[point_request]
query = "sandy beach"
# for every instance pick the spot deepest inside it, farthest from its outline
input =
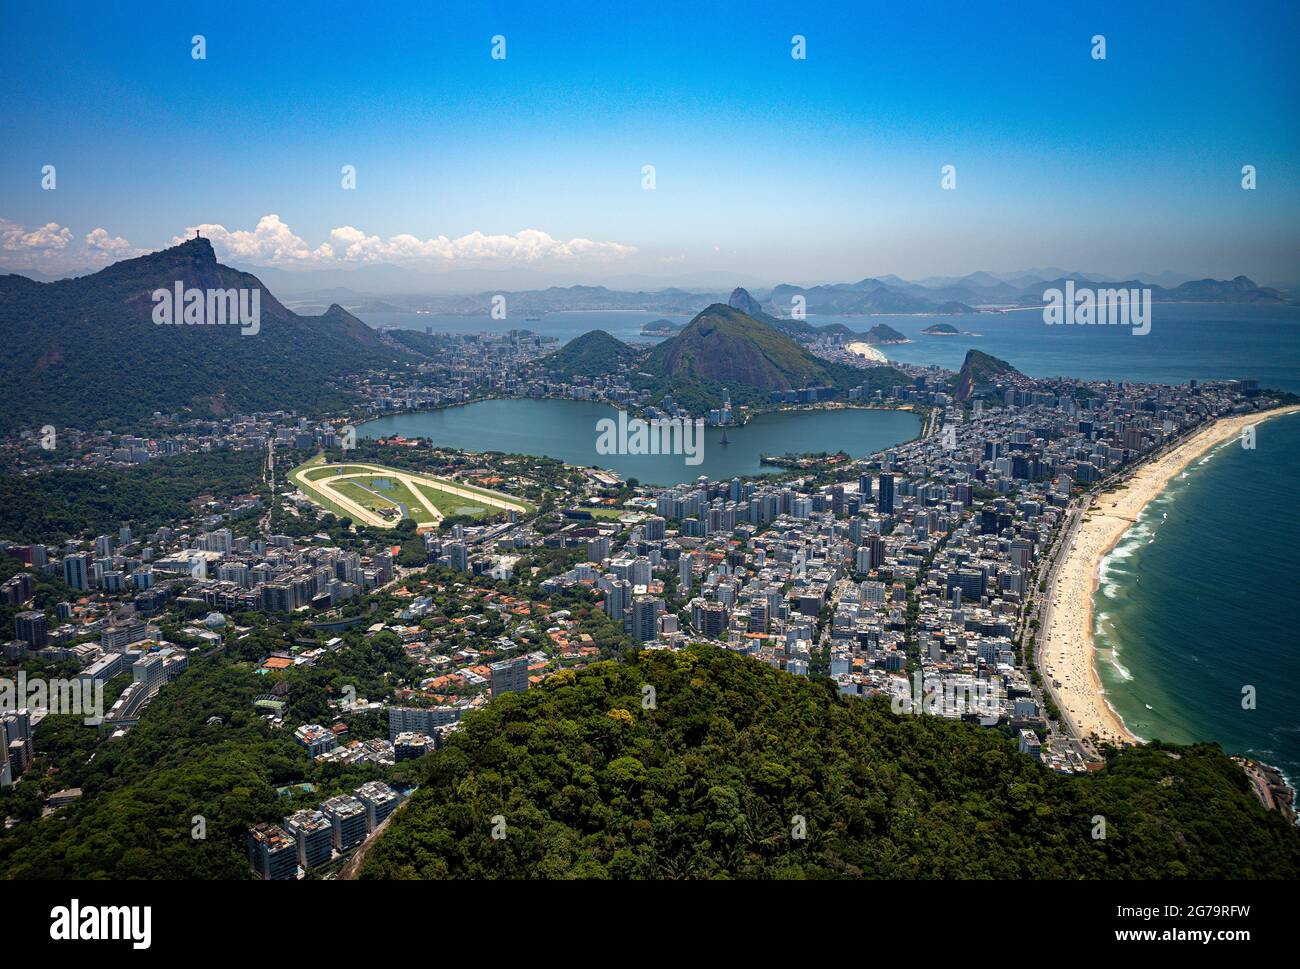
(1068, 655)
(866, 350)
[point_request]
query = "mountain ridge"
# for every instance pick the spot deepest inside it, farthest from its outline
(723, 348)
(86, 351)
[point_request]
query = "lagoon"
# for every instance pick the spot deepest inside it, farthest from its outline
(567, 430)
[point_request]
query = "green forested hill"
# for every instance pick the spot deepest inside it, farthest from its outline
(593, 354)
(85, 352)
(884, 333)
(707, 784)
(56, 505)
(727, 346)
(724, 348)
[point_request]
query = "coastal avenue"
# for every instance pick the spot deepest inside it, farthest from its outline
(1042, 609)
(1097, 523)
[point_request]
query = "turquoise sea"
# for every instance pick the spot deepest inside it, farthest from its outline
(1199, 600)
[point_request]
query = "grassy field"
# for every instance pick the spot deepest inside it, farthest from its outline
(299, 477)
(328, 471)
(367, 499)
(450, 504)
(399, 492)
(361, 488)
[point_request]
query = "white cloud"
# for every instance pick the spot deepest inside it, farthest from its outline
(53, 248)
(47, 239)
(103, 247)
(273, 243)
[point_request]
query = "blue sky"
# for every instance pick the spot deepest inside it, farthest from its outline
(825, 168)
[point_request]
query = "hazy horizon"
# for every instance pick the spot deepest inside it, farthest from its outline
(387, 279)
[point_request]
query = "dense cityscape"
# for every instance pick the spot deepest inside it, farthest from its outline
(917, 574)
(724, 448)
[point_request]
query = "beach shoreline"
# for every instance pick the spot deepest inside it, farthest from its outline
(866, 351)
(1069, 654)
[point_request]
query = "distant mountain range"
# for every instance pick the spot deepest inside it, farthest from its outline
(85, 352)
(391, 289)
(885, 295)
(867, 296)
(965, 295)
(350, 286)
(1239, 289)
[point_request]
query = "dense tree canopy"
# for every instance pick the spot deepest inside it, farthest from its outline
(712, 781)
(55, 505)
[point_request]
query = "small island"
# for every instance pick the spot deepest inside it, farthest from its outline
(882, 334)
(661, 328)
(940, 329)
(805, 462)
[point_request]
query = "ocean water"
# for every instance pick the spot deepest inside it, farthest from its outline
(1199, 601)
(1202, 341)
(624, 324)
